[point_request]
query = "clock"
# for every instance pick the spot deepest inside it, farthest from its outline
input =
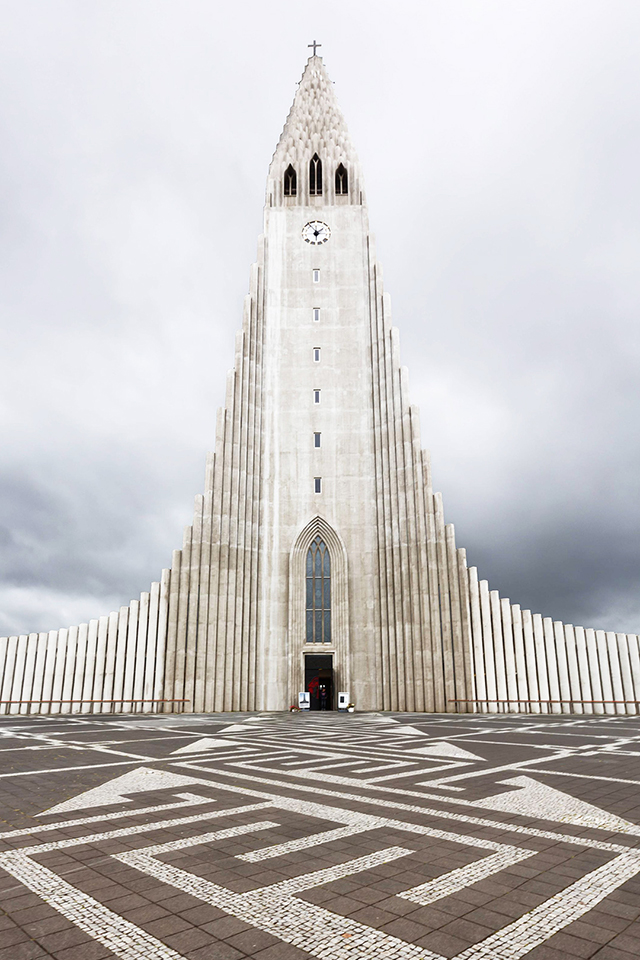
(316, 232)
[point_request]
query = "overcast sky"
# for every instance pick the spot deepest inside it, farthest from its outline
(500, 141)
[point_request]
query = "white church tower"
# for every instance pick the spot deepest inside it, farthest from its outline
(318, 534)
(318, 559)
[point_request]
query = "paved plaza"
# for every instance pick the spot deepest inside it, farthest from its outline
(337, 836)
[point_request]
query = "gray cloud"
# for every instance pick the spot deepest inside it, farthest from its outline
(500, 145)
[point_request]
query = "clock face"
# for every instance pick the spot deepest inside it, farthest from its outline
(316, 232)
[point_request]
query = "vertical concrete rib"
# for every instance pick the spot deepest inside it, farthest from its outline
(633, 646)
(574, 670)
(457, 642)
(479, 669)
(90, 667)
(487, 641)
(143, 651)
(131, 655)
(153, 656)
(541, 661)
(582, 654)
(522, 685)
(408, 544)
(59, 670)
(616, 676)
(445, 605)
(221, 701)
(625, 670)
(562, 666)
(193, 604)
(172, 628)
(465, 622)
(214, 571)
(200, 681)
(594, 670)
(377, 367)
(530, 660)
(498, 647)
(509, 654)
(160, 688)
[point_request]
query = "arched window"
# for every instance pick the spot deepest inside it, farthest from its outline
(318, 605)
(342, 181)
(315, 176)
(290, 182)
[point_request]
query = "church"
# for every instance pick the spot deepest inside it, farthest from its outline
(319, 560)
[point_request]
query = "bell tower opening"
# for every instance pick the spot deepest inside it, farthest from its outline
(318, 680)
(315, 176)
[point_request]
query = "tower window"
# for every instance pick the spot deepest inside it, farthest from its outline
(342, 181)
(316, 279)
(291, 182)
(318, 599)
(317, 484)
(315, 176)
(316, 354)
(316, 439)
(316, 314)
(316, 396)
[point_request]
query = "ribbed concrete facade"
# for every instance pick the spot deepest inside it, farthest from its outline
(317, 449)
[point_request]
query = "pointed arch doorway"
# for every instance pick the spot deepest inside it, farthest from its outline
(318, 680)
(318, 615)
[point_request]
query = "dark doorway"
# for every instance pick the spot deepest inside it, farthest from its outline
(318, 680)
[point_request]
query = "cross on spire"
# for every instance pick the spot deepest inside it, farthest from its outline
(314, 45)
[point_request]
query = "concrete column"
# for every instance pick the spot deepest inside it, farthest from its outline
(541, 661)
(509, 654)
(625, 670)
(487, 640)
(634, 659)
(530, 659)
(605, 671)
(574, 670)
(478, 645)
(583, 669)
(616, 676)
(594, 670)
(59, 671)
(520, 659)
(562, 665)
(81, 662)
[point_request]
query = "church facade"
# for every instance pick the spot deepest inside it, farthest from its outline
(319, 559)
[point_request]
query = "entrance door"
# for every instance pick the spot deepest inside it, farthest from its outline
(318, 680)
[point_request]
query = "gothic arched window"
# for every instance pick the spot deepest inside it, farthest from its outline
(290, 182)
(315, 176)
(342, 181)
(318, 604)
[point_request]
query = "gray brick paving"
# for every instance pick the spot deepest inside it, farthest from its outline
(342, 837)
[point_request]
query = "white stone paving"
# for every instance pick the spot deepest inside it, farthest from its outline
(272, 786)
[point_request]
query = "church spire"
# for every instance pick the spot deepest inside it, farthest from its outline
(315, 127)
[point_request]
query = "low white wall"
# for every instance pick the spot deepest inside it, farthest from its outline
(519, 656)
(118, 657)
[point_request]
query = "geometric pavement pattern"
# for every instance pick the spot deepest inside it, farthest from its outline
(337, 836)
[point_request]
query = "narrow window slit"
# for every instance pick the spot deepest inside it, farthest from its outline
(290, 182)
(315, 176)
(342, 181)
